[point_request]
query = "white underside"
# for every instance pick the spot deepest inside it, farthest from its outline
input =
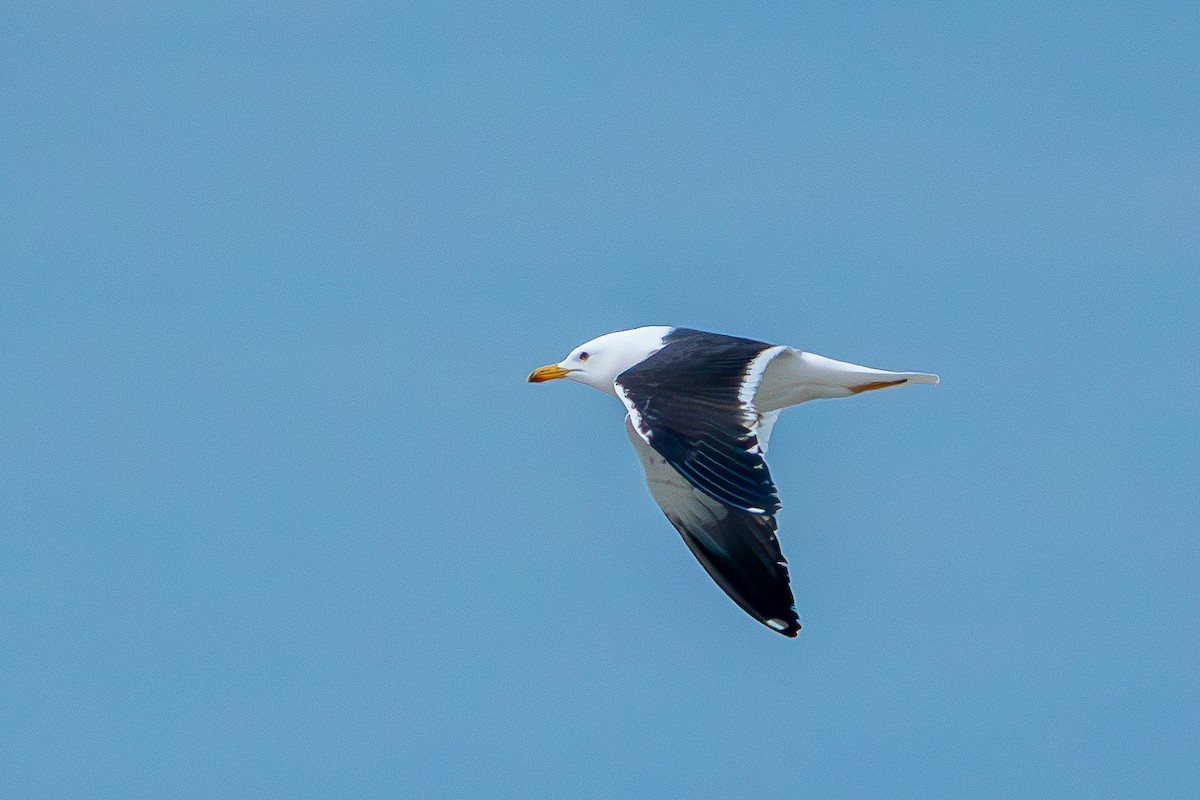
(794, 377)
(672, 491)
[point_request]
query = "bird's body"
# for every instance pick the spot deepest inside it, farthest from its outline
(700, 408)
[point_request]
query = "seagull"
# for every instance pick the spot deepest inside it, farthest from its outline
(700, 409)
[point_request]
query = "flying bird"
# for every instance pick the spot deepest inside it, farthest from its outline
(700, 409)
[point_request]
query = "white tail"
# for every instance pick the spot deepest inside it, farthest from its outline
(795, 377)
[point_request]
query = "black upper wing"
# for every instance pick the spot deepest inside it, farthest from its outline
(692, 401)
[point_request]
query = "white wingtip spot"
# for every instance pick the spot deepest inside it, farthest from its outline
(777, 624)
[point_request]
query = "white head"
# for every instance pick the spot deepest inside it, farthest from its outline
(598, 363)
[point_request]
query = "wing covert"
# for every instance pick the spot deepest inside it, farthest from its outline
(693, 402)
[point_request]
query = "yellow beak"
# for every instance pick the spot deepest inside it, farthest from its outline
(547, 373)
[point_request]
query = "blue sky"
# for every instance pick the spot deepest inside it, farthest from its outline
(281, 517)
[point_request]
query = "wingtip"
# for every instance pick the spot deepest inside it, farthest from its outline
(786, 627)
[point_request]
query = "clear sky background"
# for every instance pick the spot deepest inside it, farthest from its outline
(280, 516)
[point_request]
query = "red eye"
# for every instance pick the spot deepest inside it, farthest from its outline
(583, 356)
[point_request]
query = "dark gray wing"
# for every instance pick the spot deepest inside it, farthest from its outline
(737, 548)
(693, 402)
